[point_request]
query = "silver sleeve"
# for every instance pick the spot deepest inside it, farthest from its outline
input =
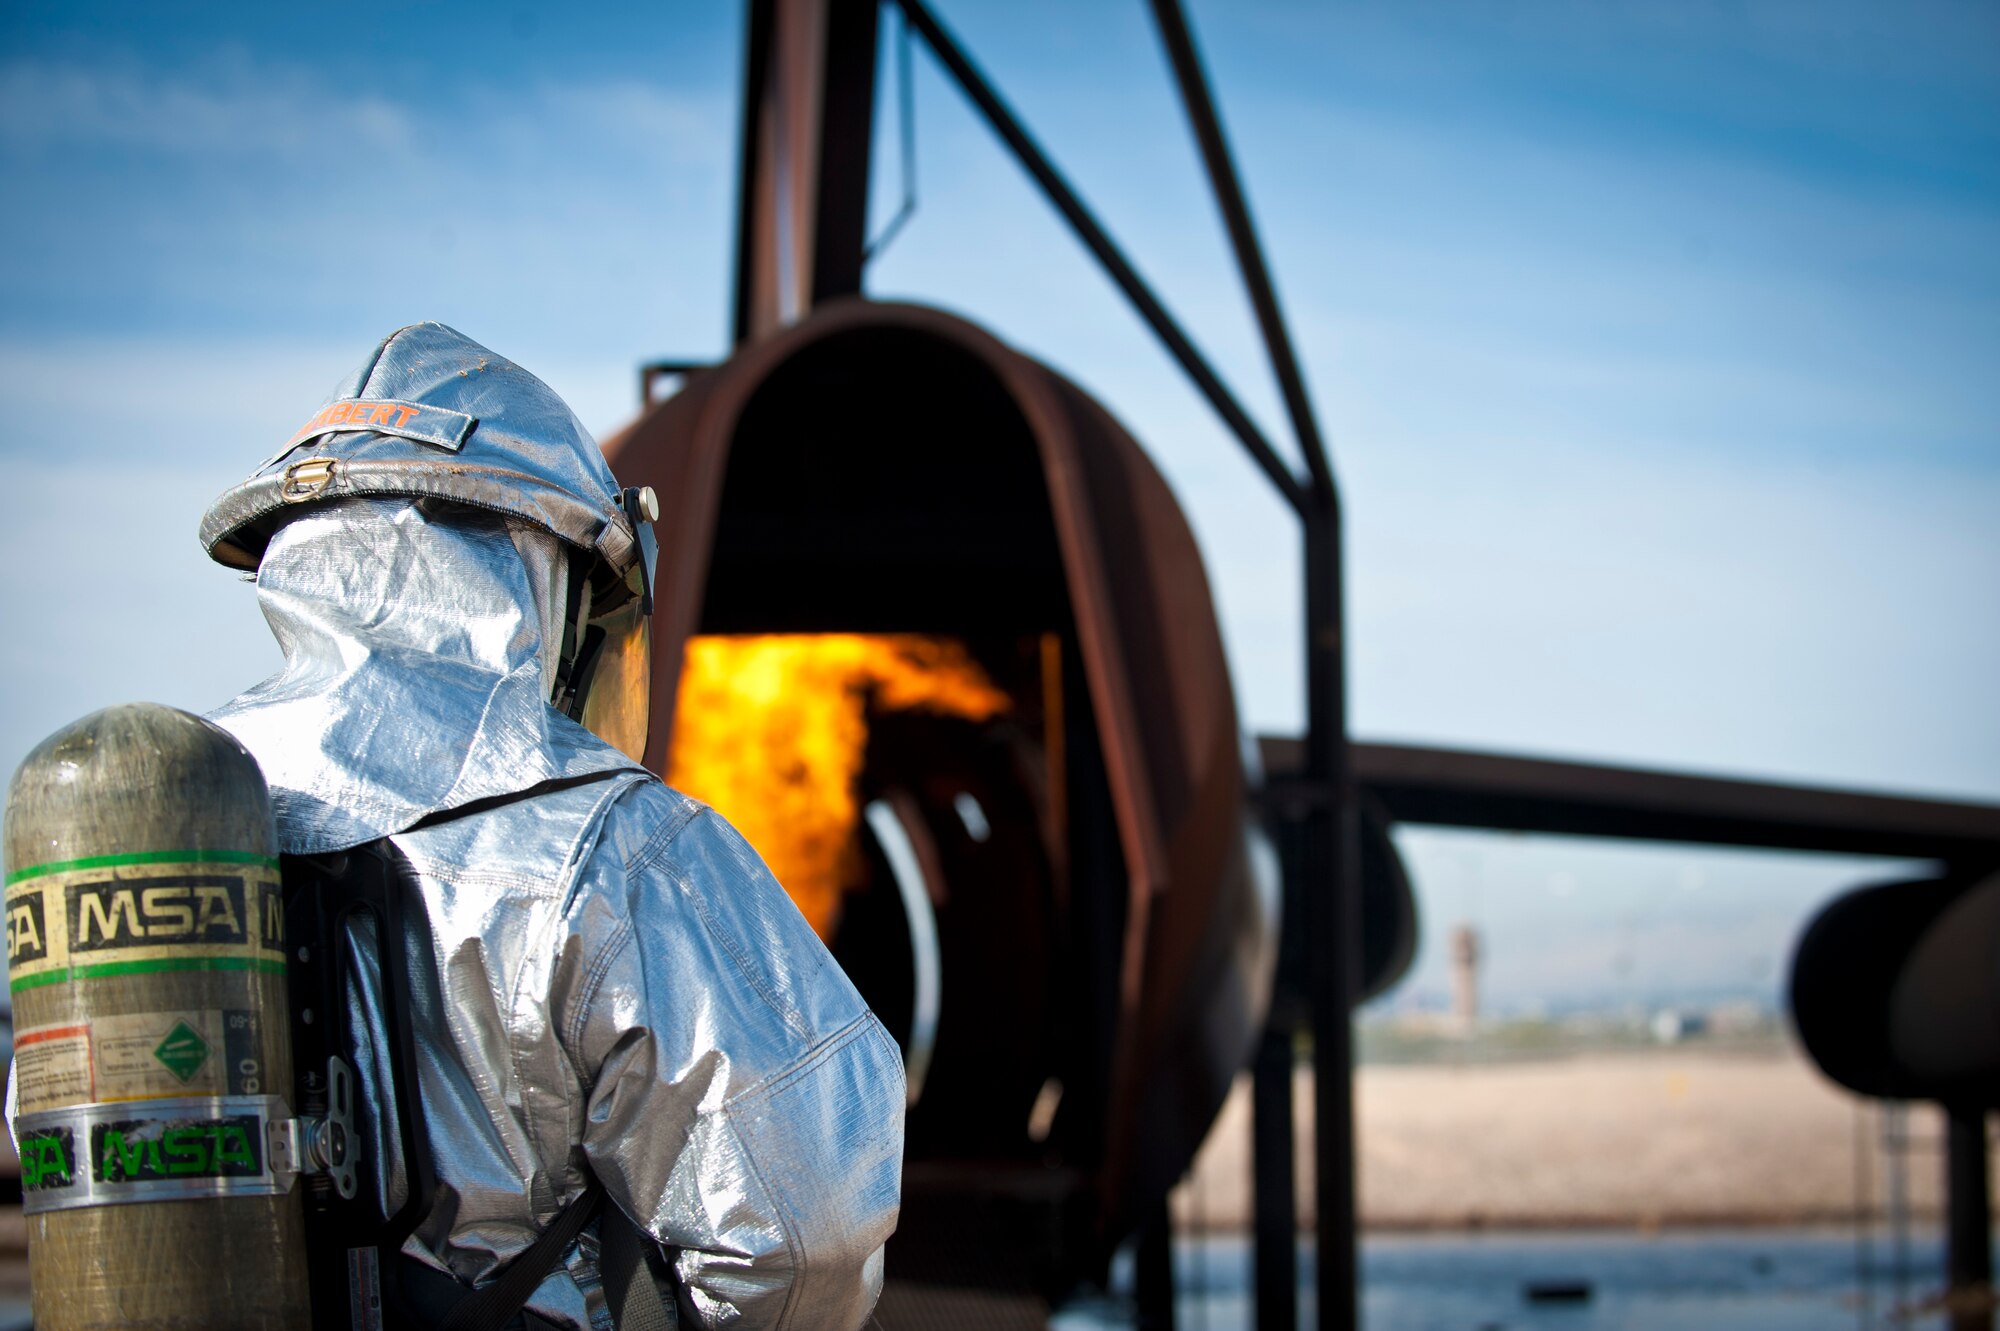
(744, 1106)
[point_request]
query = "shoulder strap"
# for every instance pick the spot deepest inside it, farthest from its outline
(625, 1257)
(491, 1308)
(548, 787)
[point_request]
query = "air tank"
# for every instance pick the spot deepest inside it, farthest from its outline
(145, 944)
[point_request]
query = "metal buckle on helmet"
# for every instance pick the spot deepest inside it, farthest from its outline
(306, 479)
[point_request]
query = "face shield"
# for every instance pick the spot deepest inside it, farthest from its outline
(611, 678)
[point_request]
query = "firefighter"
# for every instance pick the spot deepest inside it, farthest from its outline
(617, 992)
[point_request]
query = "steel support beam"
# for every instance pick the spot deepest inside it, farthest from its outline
(1153, 1270)
(846, 139)
(754, 226)
(1968, 1219)
(1331, 881)
(1272, 1192)
(808, 112)
(1032, 159)
(1332, 929)
(1206, 122)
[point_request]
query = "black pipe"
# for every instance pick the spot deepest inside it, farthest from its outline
(846, 136)
(1968, 1218)
(1271, 1191)
(756, 79)
(1332, 871)
(1153, 1273)
(1222, 178)
(1333, 926)
(1037, 164)
(1331, 868)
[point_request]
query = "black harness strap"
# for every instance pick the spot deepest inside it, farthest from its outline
(491, 1308)
(625, 1261)
(321, 893)
(481, 805)
(625, 1256)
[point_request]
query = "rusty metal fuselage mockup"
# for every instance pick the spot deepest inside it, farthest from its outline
(1106, 943)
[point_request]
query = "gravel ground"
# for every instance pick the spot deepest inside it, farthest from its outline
(1648, 1138)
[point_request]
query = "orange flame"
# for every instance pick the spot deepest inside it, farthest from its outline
(771, 731)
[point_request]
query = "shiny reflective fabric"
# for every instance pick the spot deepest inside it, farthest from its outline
(614, 978)
(504, 441)
(414, 669)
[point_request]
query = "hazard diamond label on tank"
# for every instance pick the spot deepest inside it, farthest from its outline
(183, 1051)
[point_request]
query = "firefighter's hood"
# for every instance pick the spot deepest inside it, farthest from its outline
(416, 669)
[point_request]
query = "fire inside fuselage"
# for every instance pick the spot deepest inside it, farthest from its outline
(903, 788)
(936, 637)
(772, 731)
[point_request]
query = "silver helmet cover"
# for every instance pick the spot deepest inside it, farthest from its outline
(417, 640)
(433, 413)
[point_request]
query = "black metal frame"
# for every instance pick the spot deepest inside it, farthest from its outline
(1968, 1213)
(756, 69)
(1330, 859)
(1094, 237)
(1319, 797)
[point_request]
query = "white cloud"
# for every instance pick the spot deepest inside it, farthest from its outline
(1588, 405)
(232, 105)
(200, 409)
(211, 409)
(251, 196)
(227, 109)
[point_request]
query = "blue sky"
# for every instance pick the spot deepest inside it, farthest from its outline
(1655, 344)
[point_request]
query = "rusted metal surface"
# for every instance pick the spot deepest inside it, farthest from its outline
(809, 100)
(1110, 560)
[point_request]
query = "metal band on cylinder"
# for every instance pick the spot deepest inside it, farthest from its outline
(155, 1151)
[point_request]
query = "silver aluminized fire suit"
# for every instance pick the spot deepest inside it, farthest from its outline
(618, 980)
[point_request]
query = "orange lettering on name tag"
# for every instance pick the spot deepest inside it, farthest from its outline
(397, 415)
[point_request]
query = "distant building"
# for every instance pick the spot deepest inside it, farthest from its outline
(1672, 1025)
(1465, 977)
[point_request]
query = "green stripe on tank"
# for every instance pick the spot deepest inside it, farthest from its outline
(268, 965)
(145, 857)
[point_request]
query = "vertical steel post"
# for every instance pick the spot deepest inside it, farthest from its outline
(808, 112)
(1331, 880)
(846, 141)
(1968, 1215)
(751, 153)
(1272, 1162)
(1153, 1274)
(1332, 917)
(1330, 871)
